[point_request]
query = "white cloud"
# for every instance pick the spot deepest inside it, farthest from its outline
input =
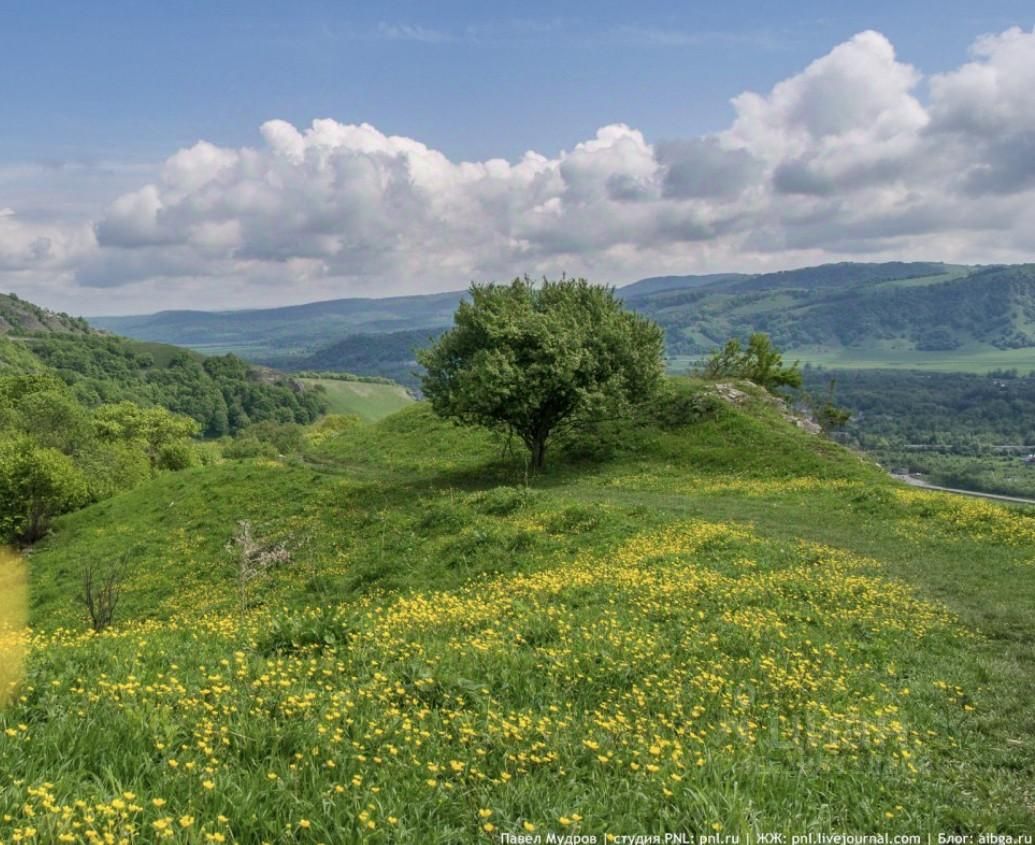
(855, 156)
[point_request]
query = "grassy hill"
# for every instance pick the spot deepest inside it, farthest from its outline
(849, 315)
(368, 400)
(665, 637)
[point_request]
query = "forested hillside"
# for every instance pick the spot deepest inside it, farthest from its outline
(963, 430)
(222, 394)
(85, 415)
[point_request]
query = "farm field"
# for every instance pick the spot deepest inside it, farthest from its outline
(728, 626)
(978, 360)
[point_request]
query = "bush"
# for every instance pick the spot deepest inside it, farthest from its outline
(249, 447)
(176, 456)
(36, 485)
(286, 438)
(759, 362)
(679, 404)
(110, 468)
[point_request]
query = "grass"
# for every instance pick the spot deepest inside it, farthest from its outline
(963, 360)
(732, 627)
(369, 400)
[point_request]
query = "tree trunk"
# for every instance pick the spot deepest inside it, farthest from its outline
(539, 451)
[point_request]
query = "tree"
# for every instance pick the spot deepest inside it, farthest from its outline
(533, 360)
(154, 429)
(760, 362)
(36, 484)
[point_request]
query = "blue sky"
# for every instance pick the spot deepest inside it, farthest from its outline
(136, 80)
(163, 154)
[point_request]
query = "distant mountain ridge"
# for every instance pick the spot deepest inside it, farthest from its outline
(890, 309)
(275, 330)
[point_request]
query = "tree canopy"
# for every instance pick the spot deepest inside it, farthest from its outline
(532, 359)
(57, 455)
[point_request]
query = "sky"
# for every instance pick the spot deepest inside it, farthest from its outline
(159, 155)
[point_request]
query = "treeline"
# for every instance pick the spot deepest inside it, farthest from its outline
(892, 408)
(335, 375)
(945, 427)
(223, 394)
(57, 455)
(391, 355)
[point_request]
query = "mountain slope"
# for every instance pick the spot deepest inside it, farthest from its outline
(20, 317)
(656, 284)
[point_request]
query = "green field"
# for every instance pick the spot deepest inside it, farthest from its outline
(370, 400)
(970, 360)
(964, 360)
(728, 626)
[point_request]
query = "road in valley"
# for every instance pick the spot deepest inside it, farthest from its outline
(919, 482)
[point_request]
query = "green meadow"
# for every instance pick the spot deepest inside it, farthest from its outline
(718, 625)
(368, 400)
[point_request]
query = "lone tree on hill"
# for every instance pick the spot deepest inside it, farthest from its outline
(534, 360)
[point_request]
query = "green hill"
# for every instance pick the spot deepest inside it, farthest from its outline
(368, 400)
(726, 625)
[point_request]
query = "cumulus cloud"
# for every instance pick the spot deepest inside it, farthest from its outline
(857, 155)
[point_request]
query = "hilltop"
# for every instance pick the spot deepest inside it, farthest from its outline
(658, 633)
(20, 317)
(920, 314)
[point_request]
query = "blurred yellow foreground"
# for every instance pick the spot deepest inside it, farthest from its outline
(14, 600)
